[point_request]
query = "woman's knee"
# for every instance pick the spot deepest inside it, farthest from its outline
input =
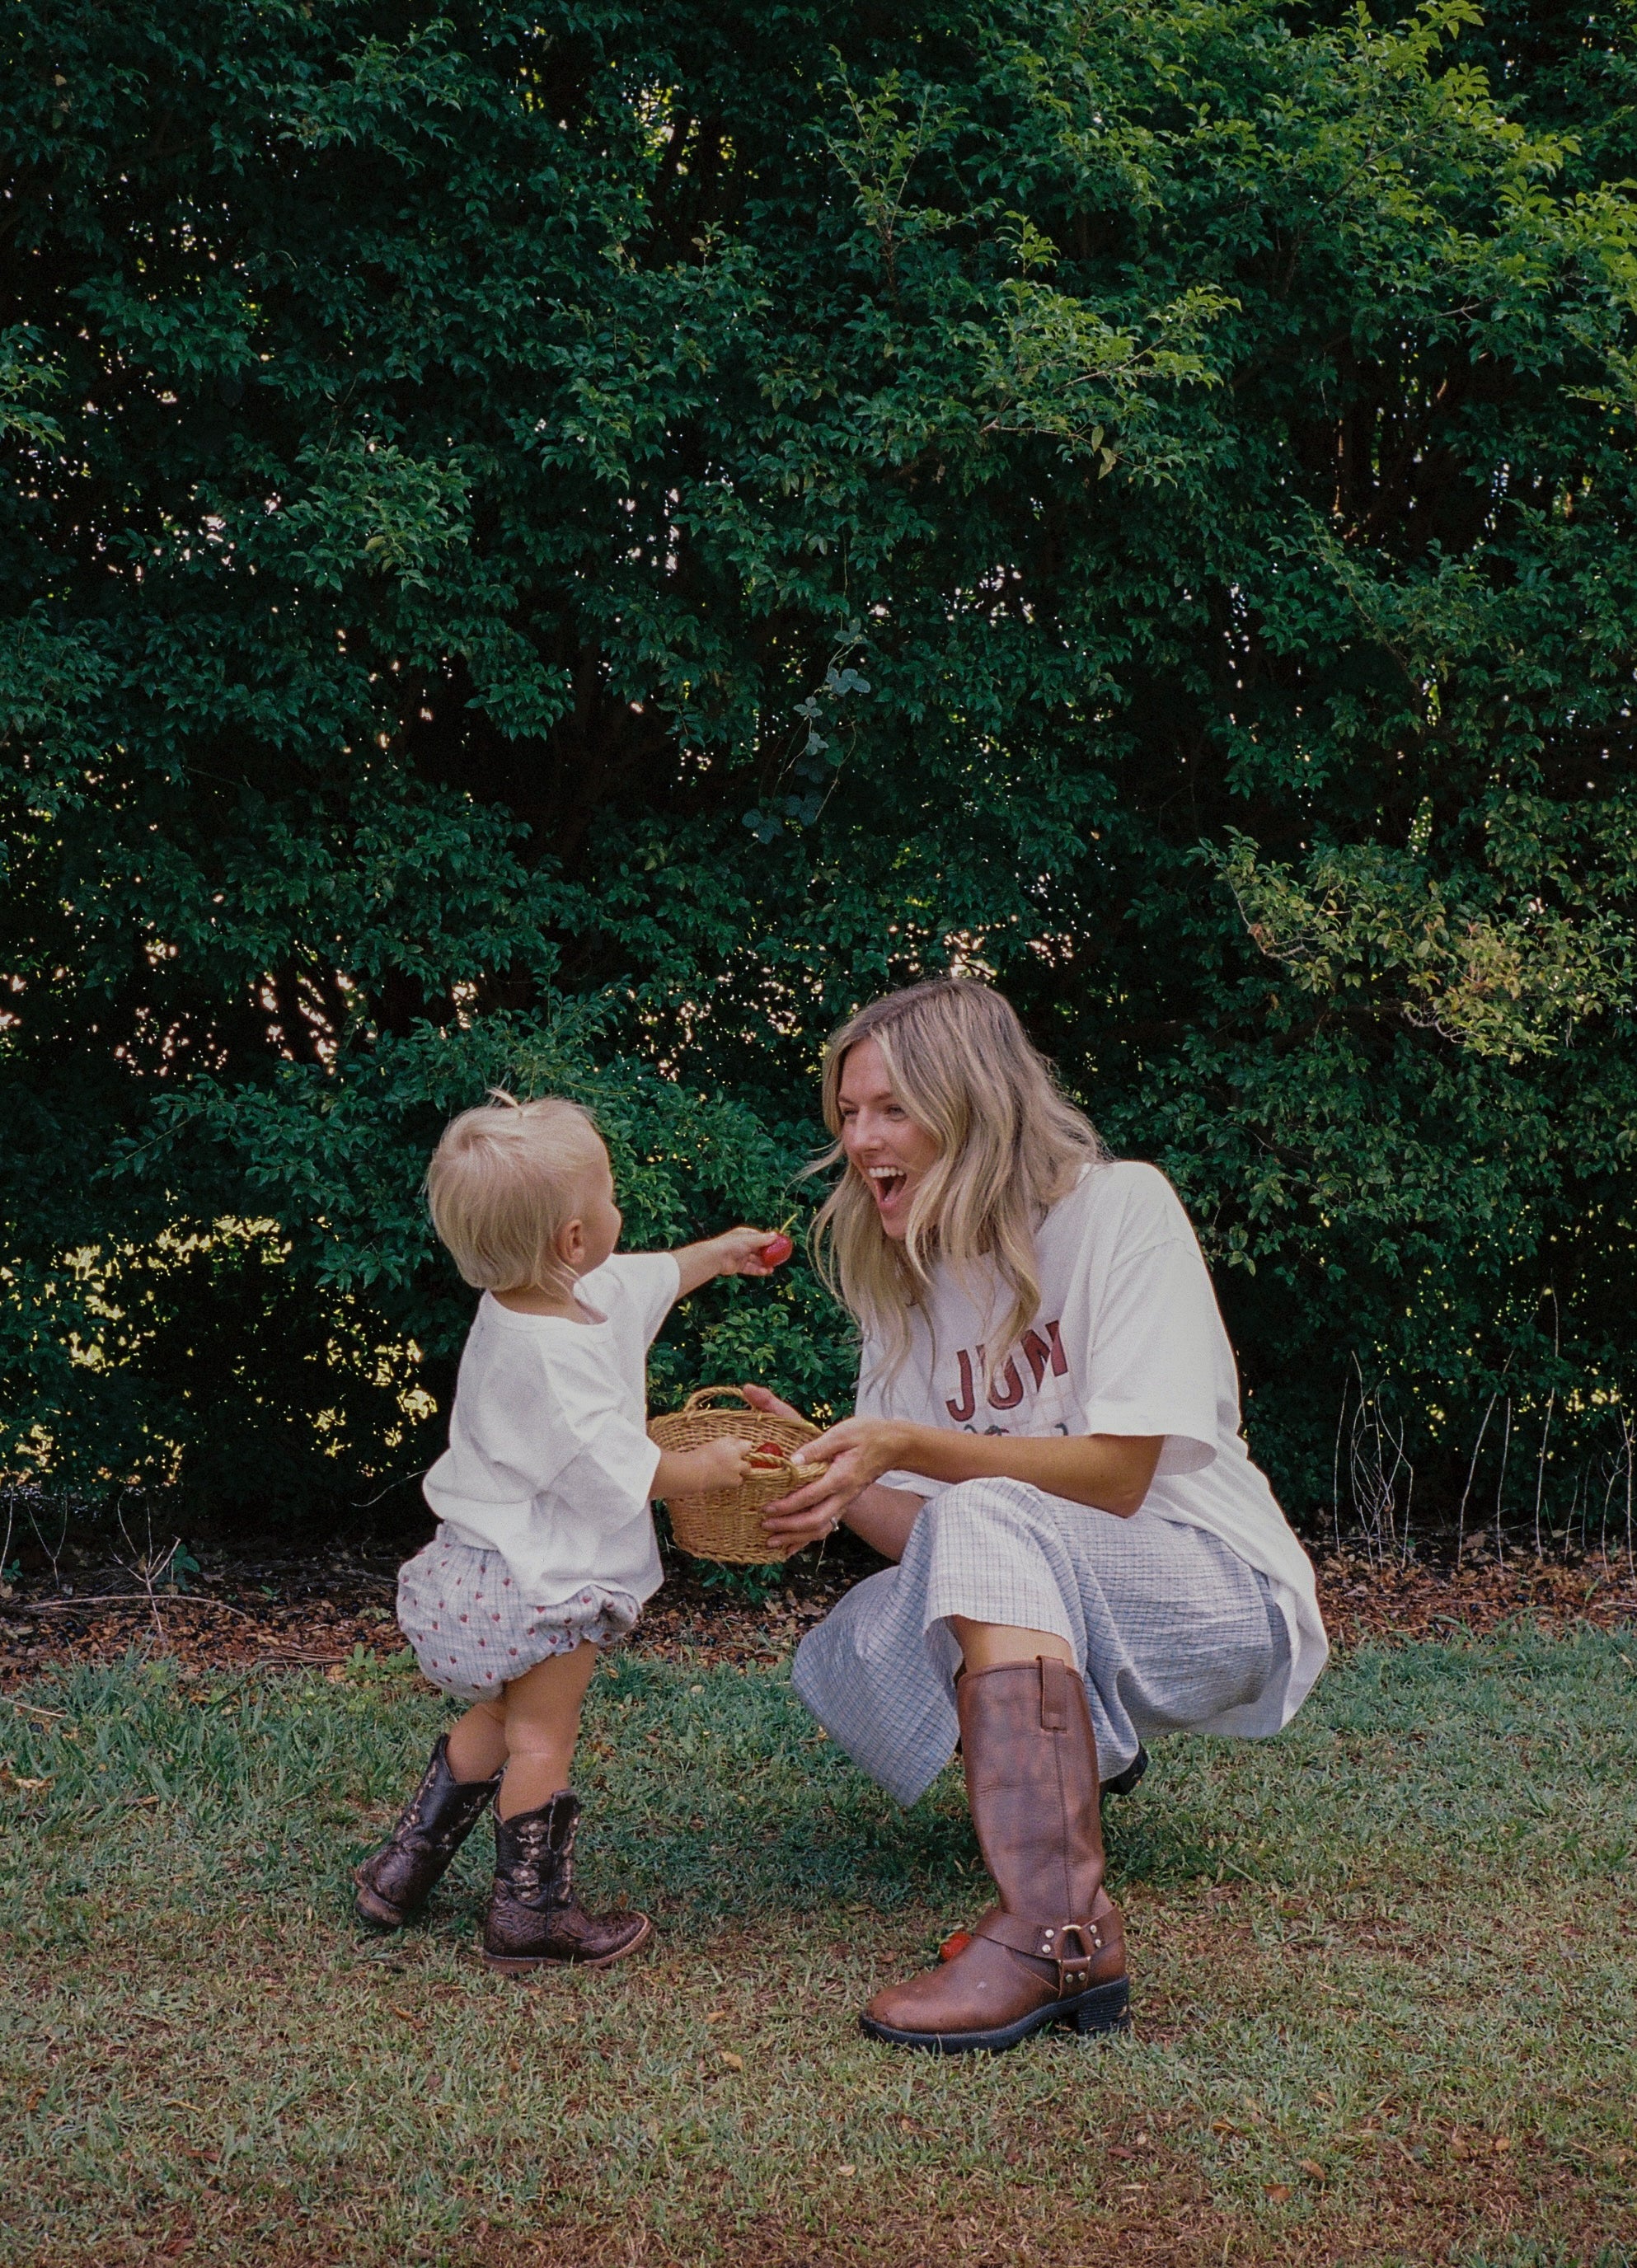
(971, 1505)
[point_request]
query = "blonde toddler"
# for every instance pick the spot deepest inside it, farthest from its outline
(545, 1550)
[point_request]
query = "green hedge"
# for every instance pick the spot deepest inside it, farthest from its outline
(574, 545)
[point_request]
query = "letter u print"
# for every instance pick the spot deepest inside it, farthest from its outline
(1006, 1391)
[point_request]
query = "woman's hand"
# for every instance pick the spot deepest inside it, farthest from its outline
(854, 1455)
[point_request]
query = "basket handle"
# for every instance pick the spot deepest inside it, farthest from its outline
(704, 1393)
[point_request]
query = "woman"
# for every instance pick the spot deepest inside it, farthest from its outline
(1047, 1443)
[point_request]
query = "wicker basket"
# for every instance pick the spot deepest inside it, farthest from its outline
(726, 1524)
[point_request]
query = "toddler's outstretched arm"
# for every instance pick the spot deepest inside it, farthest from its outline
(736, 1252)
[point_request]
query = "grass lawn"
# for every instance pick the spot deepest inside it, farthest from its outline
(1385, 1975)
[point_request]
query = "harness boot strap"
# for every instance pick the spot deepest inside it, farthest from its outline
(1082, 1952)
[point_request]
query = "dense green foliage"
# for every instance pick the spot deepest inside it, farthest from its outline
(574, 545)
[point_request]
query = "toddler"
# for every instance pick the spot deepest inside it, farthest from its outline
(545, 1548)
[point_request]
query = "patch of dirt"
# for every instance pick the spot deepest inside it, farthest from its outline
(1364, 1600)
(279, 1609)
(285, 1609)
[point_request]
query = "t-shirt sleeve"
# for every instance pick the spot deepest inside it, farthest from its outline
(1153, 1349)
(611, 1478)
(650, 1280)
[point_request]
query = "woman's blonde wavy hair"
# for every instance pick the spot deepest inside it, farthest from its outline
(1010, 1144)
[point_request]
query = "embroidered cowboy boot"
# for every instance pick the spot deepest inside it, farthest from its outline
(1052, 1951)
(442, 1811)
(534, 1920)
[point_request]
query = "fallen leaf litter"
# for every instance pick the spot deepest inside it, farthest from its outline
(295, 1612)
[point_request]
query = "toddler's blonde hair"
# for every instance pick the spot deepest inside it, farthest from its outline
(1010, 1143)
(504, 1182)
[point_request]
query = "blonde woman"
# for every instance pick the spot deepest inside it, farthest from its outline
(1047, 1444)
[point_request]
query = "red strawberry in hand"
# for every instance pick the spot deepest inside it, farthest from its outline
(777, 1249)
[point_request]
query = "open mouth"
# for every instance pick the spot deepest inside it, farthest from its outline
(885, 1181)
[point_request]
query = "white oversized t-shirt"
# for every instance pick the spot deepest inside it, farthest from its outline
(548, 1461)
(1127, 1339)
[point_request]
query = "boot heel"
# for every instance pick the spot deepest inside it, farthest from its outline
(1105, 2008)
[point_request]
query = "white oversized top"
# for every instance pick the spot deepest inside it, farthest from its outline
(548, 1461)
(1128, 1339)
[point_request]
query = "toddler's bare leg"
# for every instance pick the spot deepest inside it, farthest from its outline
(542, 1726)
(476, 1749)
(534, 1918)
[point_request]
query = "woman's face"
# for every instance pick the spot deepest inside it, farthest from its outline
(881, 1140)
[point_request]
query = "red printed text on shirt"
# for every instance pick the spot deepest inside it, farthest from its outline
(1006, 1388)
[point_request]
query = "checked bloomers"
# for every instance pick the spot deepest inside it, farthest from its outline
(1170, 1629)
(473, 1630)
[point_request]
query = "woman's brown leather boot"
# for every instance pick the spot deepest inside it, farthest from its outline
(1053, 1950)
(442, 1811)
(534, 1920)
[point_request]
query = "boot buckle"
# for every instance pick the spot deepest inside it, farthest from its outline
(1053, 1945)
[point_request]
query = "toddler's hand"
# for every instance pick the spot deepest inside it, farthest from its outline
(729, 1462)
(751, 1251)
(717, 1465)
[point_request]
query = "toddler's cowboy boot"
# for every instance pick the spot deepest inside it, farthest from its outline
(442, 1811)
(534, 1920)
(1052, 1952)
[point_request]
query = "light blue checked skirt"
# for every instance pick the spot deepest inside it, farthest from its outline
(1170, 1628)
